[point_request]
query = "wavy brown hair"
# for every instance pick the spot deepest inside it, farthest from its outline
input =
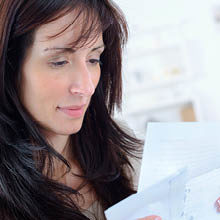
(101, 148)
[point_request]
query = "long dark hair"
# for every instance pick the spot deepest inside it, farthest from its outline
(101, 148)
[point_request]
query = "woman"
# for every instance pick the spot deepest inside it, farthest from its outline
(62, 155)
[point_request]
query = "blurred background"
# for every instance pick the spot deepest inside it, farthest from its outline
(171, 65)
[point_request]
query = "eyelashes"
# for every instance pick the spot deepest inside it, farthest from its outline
(95, 61)
(58, 64)
(62, 63)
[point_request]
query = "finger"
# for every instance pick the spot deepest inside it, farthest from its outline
(217, 203)
(152, 217)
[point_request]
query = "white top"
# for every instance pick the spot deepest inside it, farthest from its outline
(95, 212)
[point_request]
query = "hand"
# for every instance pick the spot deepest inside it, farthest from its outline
(152, 217)
(217, 204)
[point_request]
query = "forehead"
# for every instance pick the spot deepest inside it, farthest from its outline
(65, 30)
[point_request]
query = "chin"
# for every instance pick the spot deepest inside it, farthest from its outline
(70, 131)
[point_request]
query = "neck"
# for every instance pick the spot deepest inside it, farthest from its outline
(59, 142)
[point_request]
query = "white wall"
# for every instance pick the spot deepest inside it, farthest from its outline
(158, 30)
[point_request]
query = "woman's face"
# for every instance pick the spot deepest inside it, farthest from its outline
(57, 82)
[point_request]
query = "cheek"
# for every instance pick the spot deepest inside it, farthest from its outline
(96, 77)
(41, 92)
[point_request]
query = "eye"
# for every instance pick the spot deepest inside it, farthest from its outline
(95, 61)
(58, 64)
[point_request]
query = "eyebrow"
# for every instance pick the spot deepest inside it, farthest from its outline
(70, 50)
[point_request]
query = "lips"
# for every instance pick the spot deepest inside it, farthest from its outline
(74, 111)
(73, 107)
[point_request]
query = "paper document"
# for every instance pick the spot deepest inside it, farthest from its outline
(201, 193)
(170, 146)
(195, 145)
(166, 198)
(180, 174)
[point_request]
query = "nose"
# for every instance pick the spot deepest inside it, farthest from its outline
(81, 82)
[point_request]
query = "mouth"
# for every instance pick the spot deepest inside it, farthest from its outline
(75, 111)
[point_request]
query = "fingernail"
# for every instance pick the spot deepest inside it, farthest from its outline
(218, 201)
